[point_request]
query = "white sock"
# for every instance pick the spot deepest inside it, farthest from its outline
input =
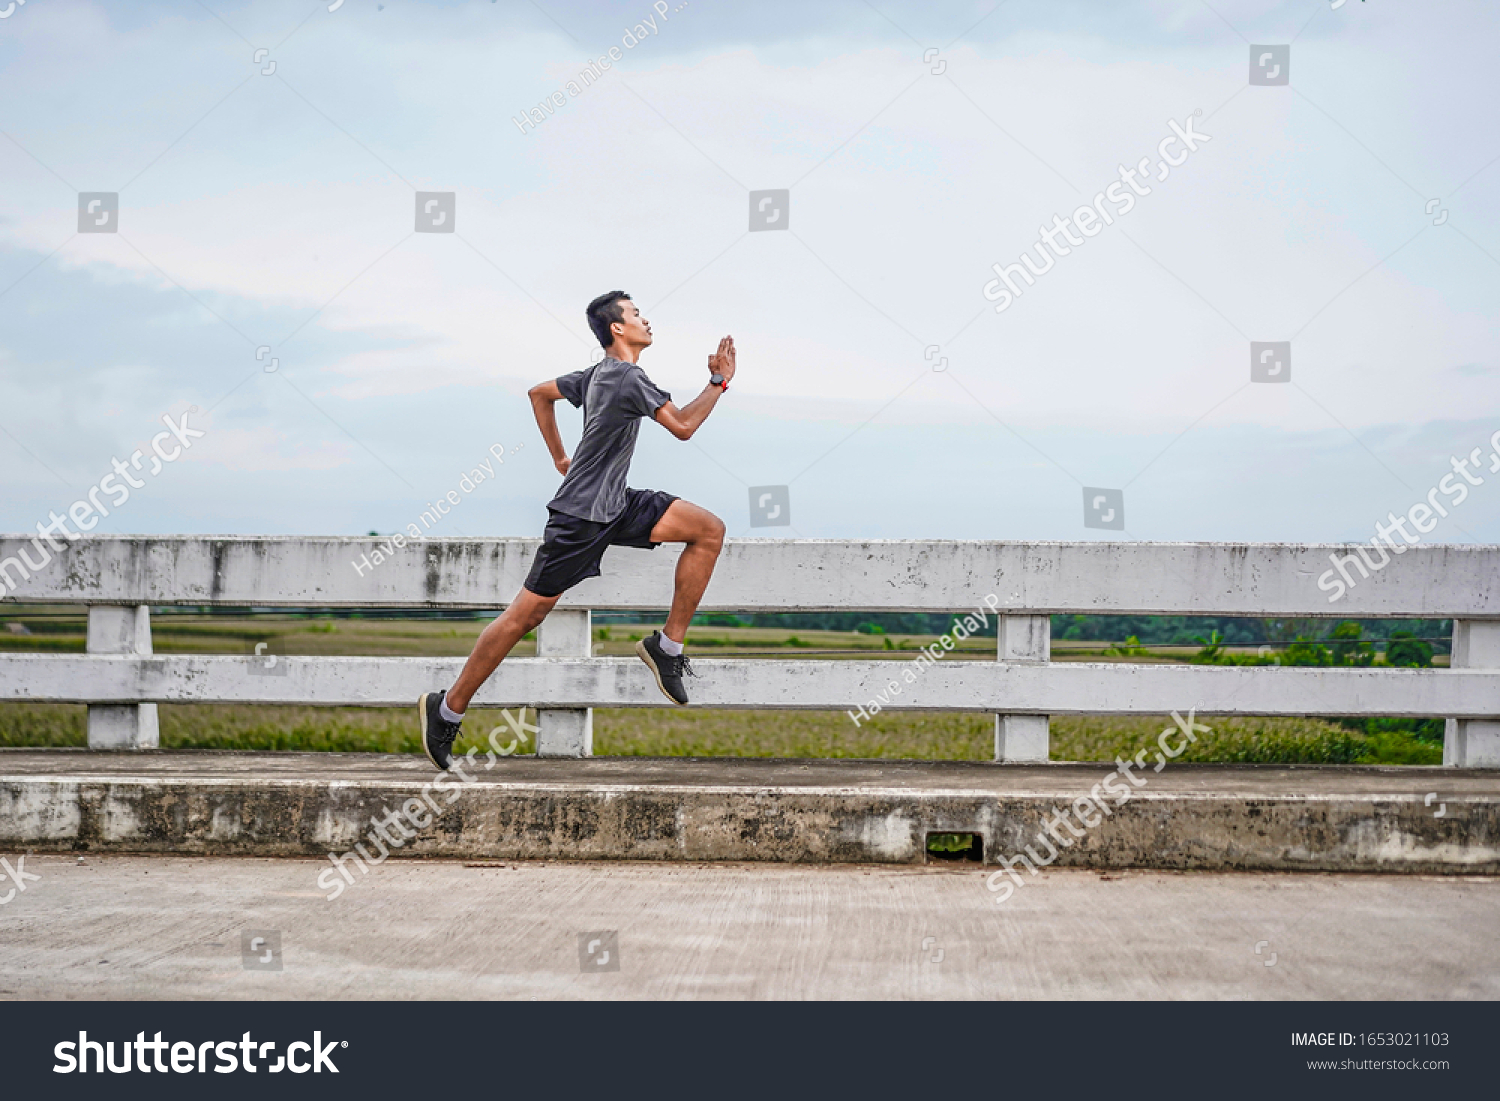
(449, 716)
(668, 647)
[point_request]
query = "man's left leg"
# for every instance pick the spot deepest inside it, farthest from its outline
(524, 613)
(439, 713)
(703, 532)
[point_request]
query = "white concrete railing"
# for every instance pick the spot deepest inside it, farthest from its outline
(120, 578)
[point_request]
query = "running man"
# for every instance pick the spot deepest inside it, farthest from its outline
(594, 510)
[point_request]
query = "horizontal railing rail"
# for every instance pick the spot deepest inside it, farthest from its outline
(757, 684)
(119, 578)
(1225, 579)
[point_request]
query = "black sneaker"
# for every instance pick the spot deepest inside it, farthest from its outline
(667, 669)
(437, 733)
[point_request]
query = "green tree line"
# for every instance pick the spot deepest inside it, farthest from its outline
(1145, 630)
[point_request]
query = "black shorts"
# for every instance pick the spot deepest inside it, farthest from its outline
(572, 547)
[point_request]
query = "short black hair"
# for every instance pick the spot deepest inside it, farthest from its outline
(603, 312)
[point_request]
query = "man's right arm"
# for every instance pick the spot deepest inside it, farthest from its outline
(683, 422)
(544, 396)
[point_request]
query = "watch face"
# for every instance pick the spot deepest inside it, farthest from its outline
(716, 379)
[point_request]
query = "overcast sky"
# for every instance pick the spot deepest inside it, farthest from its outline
(268, 201)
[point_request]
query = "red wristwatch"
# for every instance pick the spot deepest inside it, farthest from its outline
(719, 380)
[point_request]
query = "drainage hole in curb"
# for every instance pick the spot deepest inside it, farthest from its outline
(955, 846)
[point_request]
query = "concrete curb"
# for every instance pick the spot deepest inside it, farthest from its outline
(1190, 817)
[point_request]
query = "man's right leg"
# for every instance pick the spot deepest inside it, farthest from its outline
(525, 613)
(703, 534)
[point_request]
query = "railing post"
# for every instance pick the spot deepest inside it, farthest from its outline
(565, 732)
(1473, 743)
(1025, 638)
(116, 630)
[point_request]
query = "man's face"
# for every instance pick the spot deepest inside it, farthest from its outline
(636, 329)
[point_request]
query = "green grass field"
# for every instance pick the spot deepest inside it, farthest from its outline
(651, 731)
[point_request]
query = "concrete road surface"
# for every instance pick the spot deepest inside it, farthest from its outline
(185, 927)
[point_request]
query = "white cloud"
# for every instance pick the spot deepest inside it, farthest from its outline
(281, 221)
(263, 448)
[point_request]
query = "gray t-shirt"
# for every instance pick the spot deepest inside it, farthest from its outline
(615, 396)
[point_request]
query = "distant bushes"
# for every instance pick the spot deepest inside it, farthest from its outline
(1345, 646)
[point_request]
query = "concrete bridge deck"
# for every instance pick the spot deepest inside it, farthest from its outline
(1211, 817)
(178, 927)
